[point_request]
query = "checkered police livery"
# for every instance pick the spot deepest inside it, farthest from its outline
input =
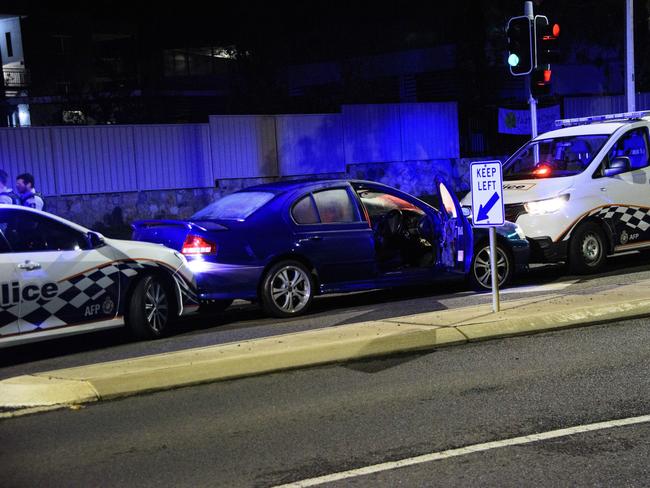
(46, 293)
(636, 218)
(93, 293)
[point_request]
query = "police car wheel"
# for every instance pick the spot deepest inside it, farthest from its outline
(588, 250)
(287, 289)
(480, 275)
(150, 308)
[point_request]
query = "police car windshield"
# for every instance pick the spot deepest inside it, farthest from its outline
(237, 206)
(553, 158)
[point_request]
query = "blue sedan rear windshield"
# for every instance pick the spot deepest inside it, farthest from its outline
(237, 206)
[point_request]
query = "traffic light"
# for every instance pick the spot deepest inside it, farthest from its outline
(546, 52)
(547, 41)
(540, 82)
(520, 45)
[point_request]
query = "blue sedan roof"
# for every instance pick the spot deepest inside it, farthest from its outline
(288, 185)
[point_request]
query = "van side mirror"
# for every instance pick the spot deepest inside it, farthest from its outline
(617, 166)
(96, 240)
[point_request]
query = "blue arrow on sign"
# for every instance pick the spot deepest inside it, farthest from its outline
(483, 211)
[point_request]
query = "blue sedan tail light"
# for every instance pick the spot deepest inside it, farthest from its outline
(196, 245)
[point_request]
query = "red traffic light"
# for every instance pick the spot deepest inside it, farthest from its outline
(547, 76)
(556, 30)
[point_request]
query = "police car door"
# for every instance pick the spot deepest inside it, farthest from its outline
(627, 189)
(62, 279)
(9, 307)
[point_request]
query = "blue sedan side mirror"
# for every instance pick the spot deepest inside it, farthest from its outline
(618, 165)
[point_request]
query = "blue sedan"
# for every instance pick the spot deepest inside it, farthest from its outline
(283, 243)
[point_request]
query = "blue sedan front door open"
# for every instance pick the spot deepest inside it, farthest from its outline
(456, 238)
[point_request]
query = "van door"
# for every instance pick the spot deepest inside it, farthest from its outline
(628, 193)
(456, 237)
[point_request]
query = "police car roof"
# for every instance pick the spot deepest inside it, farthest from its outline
(605, 128)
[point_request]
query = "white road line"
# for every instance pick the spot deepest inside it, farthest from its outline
(437, 456)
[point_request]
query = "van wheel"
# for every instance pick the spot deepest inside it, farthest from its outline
(480, 275)
(287, 289)
(150, 309)
(588, 249)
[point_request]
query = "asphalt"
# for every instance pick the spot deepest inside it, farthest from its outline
(288, 426)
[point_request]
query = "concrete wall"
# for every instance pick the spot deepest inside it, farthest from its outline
(112, 213)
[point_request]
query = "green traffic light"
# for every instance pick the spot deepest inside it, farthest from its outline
(513, 60)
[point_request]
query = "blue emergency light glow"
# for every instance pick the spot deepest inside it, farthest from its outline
(602, 118)
(513, 60)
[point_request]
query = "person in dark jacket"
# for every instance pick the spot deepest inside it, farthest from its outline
(7, 195)
(28, 195)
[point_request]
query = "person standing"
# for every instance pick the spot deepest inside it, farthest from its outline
(28, 195)
(7, 195)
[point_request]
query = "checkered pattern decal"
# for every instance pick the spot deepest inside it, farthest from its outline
(8, 320)
(96, 288)
(635, 218)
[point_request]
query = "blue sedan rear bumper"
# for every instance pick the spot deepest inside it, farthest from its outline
(218, 281)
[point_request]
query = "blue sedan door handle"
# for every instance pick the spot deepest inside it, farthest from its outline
(311, 238)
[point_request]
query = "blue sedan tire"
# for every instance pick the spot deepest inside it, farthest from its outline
(480, 274)
(287, 289)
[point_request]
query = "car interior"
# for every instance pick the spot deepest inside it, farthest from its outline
(405, 236)
(26, 232)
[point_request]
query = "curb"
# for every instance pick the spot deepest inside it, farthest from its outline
(344, 343)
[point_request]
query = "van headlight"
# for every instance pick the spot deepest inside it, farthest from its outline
(542, 207)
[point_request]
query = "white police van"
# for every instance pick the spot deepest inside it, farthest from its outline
(582, 192)
(58, 278)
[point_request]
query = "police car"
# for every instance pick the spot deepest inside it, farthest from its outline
(58, 278)
(582, 192)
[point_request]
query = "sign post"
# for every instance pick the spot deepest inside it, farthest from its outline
(488, 211)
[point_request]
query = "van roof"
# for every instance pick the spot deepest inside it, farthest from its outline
(606, 128)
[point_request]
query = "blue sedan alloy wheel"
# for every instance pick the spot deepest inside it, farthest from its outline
(481, 273)
(287, 289)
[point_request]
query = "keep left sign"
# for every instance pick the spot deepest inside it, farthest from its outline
(487, 194)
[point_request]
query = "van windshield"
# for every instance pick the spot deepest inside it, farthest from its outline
(553, 158)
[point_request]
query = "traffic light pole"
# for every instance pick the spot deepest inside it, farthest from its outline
(533, 112)
(528, 12)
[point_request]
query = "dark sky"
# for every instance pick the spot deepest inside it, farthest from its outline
(318, 30)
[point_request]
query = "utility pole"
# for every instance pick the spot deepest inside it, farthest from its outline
(630, 94)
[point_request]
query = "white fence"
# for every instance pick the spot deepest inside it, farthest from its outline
(103, 159)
